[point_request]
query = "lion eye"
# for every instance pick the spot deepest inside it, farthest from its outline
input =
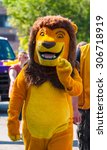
(60, 36)
(42, 33)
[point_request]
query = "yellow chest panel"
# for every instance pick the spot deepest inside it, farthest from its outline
(47, 111)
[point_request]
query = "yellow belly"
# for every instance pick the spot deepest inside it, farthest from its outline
(47, 111)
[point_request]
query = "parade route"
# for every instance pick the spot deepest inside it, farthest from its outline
(5, 142)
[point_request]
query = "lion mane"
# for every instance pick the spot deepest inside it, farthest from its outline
(37, 74)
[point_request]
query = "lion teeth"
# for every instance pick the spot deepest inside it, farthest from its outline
(48, 56)
(42, 55)
(54, 57)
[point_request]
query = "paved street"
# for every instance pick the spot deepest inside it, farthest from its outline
(5, 142)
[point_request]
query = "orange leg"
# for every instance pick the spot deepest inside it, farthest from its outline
(62, 141)
(59, 141)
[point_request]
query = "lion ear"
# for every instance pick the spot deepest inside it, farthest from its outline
(75, 27)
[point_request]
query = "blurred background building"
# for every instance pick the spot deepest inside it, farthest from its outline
(6, 30)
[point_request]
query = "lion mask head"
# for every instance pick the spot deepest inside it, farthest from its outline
(51, 37)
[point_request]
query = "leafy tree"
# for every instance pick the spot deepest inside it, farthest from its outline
(24, 13)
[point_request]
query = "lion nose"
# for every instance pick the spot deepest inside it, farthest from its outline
(48, 44)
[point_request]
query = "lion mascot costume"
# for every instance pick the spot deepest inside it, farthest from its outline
(44, 87)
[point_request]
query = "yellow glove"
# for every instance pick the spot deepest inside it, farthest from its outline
(72, 85)
(14, 138)
(64, 70)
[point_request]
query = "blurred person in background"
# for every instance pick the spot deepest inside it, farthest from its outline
(81, 104)
(16, 68)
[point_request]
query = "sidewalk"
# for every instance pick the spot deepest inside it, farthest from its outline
(6, 143)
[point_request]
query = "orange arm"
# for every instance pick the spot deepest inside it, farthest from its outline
(75, 84)
(17, 97)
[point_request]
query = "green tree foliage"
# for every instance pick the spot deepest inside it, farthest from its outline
(24, 12)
